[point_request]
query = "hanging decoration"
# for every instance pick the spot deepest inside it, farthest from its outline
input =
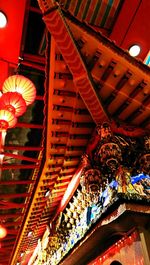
(109, 152)
(21, 85)
(7, 119)
(13, 102)
(17, 93)
(91, 183)
(144, 160)
(90, 180)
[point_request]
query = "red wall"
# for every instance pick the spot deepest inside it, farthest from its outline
(132, 26)
(10, 36)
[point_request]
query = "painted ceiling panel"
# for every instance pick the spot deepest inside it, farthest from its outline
(100, 13)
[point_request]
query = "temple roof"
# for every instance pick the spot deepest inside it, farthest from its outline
(89, 80)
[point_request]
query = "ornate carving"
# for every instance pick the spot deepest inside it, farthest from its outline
(85, 161)
(109, 152)
(105, 132)
(110, 155)
(144, 160)
(91, 183)
(123, 178)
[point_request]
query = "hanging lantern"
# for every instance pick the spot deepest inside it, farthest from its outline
(91, 183)
(110, 156)
(21, 85)
(13, 102)
(7, 119)
(3, 231)
(109, 152)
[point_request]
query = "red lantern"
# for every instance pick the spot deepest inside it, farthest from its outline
(3, 232)
(13, 102)
(21, 85)
(7, 119)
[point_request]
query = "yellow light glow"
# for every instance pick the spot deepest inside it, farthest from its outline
(3, 231)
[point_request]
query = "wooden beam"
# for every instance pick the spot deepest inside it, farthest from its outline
(14, 195)
(29, 125)
(18, 166)
(17, 182)
(21, 157)
(23, 148)
(7, 216)
(63, 37)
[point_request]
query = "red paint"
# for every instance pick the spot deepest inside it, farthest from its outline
(10, 36)
(132, 26)
(56, 26)
(110, 252)
(3, 72)
(13, 102)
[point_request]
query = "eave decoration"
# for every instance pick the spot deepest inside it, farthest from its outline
(113, 172)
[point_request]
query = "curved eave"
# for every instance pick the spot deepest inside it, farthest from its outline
(120, 88)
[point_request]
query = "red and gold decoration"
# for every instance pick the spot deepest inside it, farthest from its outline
(144, 160)
(17, 93)
(91, 183)
(13, 102)
(108, 173)
(123, 178)
(21, 85)
(7, 119)
(109, 152)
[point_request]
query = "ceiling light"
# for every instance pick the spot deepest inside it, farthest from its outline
(3, 20)
(134, 50)
(30, 234)
(47, 194)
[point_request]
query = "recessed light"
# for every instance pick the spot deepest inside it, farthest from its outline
(134, 50)
(30, 234)
(47, 194)
(3, 20)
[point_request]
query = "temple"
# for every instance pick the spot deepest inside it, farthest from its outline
(87, 189)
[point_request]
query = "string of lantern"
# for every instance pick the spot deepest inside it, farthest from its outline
(17, 93)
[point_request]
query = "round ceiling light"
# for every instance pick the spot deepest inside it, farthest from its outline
(134, 50)
(3, 20)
